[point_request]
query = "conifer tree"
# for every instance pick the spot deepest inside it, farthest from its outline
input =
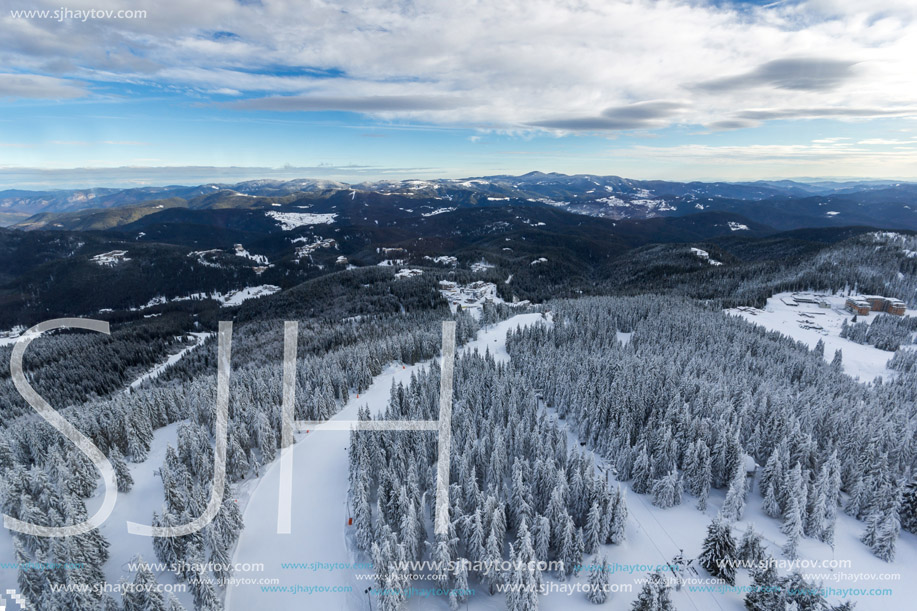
(718, 555)
(598, 581)
(792, 527)
(734, 505)
(667, 490)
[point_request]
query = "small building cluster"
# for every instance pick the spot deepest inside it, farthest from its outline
(408, 273)
(12, 333)
(818, 300)
(864, 304)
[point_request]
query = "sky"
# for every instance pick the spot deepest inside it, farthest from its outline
(187, 91)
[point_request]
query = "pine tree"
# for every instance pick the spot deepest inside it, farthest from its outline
(567, 553)
(144, 595)
(734, 505)
(542, 538)
(642, 472)
(819, 349)
(460, 584)
(598, 581)
(750, 548)
(525, 578)
(475, 541)
(701, 477)
(654, 596)
(618, 519)
(765, 595)
(771, 507)
(792, 527)
(442, 557)
(122, 473)
(909, 507)
(667, 490)
(882, 533)
(522, 594)
(362, 517)
(772, 474)
(592, 533)
(493, 577)
(718, 555)
(174, 605)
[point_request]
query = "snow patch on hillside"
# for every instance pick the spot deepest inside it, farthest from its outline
(111, 258)
(443, 260)
(291, 220)
(408, 273)
(437, 211)
(234, 298)
(230, 298)
(241, 252)
(202, 256)
(703, 254)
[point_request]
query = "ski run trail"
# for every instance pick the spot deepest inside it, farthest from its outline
(319, 527)
(321, 534)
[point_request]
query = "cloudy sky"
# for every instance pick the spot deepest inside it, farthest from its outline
(356, 89)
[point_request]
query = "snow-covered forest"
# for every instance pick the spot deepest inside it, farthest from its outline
(588, 433)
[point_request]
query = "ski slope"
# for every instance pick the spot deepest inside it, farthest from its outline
(138, 505)
(319, 527)
(155, 372)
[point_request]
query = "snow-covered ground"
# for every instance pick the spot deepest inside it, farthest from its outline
(230, 298)
(809, 323)
(703, 254)
(137, 506)
(472, 297)
(319, 529)
(11, 336)
(111, 258)
(291, 220)
(203, 256)
(241, 251)
(437, 211)
(234, 298)
(320, 532)
(443, 260)
(655, 536)
(408, 272)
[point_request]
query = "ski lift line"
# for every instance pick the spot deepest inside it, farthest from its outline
(662, 555)
(600, 460)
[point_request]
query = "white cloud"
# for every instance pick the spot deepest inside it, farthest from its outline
(38, 87)
(837, 158)
(512, 65)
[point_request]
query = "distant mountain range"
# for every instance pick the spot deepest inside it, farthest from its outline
(768, 205)
(537, 236)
